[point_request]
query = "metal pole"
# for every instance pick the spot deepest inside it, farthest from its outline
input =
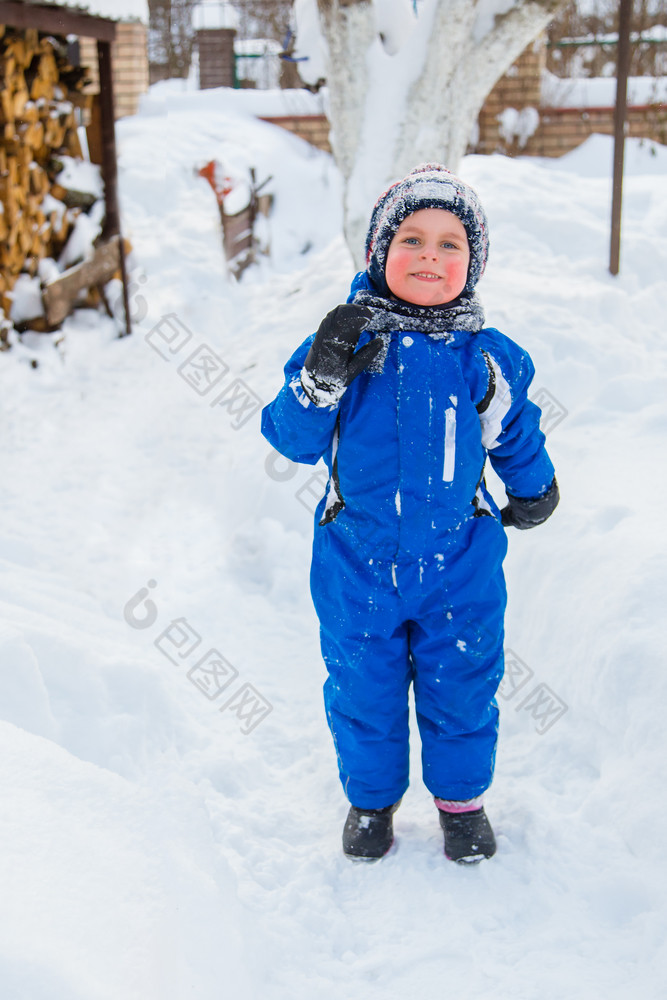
(622, 70)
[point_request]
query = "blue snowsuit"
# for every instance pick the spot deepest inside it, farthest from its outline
(406, 575)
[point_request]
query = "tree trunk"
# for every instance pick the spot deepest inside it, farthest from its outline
(389, 112)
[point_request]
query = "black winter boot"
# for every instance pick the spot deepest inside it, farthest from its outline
(468, 836)
(368, 833)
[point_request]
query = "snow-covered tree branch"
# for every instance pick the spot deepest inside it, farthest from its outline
(406, 87)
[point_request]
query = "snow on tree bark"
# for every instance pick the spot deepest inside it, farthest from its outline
(401, 97)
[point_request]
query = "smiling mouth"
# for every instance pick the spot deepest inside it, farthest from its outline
(427, 275)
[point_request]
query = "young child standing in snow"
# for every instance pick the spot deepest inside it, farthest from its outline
(405, 393)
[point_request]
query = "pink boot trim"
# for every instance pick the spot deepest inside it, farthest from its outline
(464, 806)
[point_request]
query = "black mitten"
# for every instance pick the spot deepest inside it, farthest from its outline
(527, 513)
(331, 363)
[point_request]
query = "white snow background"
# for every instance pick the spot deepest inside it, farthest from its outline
(151, 847)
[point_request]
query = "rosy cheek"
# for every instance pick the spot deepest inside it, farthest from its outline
(398, 259)
(396, 267)
(458, 271)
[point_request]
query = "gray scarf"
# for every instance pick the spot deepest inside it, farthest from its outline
(464, 314)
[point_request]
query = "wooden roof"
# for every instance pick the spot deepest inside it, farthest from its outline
(57, 19)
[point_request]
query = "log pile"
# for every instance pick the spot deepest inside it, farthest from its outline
(40, 91)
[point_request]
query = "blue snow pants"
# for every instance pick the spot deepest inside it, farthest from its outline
(435, 623)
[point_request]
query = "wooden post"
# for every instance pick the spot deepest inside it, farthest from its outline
(622, 70)
(109, 170)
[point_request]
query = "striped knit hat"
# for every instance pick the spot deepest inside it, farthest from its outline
(428, 186)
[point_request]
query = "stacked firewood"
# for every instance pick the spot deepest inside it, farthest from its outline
(39, 91)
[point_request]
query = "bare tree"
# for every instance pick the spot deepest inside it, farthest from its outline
(582, 40)
(171, 35)
(404, 89)
(264, 18)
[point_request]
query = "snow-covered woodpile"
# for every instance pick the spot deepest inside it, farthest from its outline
(49, 197)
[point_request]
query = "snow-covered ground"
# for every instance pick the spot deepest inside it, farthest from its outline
(157, 842)
(600, 92)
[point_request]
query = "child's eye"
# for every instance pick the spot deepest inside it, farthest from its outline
(412, 240)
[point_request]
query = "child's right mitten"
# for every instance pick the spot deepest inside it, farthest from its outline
(331, 363)
(528, 513)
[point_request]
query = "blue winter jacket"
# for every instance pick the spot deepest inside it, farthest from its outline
(406, 447)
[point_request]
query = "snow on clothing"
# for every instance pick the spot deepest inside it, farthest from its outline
(406, 575)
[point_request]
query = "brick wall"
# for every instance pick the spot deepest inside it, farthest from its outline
(519, 88)
(563, 129)
(313, 128)
(129, 60)
(558, 130)
(129, 57)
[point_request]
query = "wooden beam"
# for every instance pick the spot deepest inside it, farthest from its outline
(60, 294)
(109, 163)
(56, 20)
(109, 166)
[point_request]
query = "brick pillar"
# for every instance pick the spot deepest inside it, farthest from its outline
(130, 67)
(216, 57)
(129, 57)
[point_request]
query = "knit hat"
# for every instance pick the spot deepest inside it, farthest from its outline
(428, 186)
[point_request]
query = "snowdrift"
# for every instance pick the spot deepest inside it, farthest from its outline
(158, 839)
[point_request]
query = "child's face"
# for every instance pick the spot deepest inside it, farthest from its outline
(427, 262)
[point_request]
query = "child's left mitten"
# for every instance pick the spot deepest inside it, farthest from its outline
(527, 513)
(332, 363)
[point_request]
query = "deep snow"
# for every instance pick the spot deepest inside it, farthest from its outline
(153, 846)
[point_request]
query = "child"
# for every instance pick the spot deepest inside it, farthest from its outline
(404, 393)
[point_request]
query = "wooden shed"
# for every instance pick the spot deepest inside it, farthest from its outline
(58, 110)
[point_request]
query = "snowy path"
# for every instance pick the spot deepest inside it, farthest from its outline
(150, 848)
